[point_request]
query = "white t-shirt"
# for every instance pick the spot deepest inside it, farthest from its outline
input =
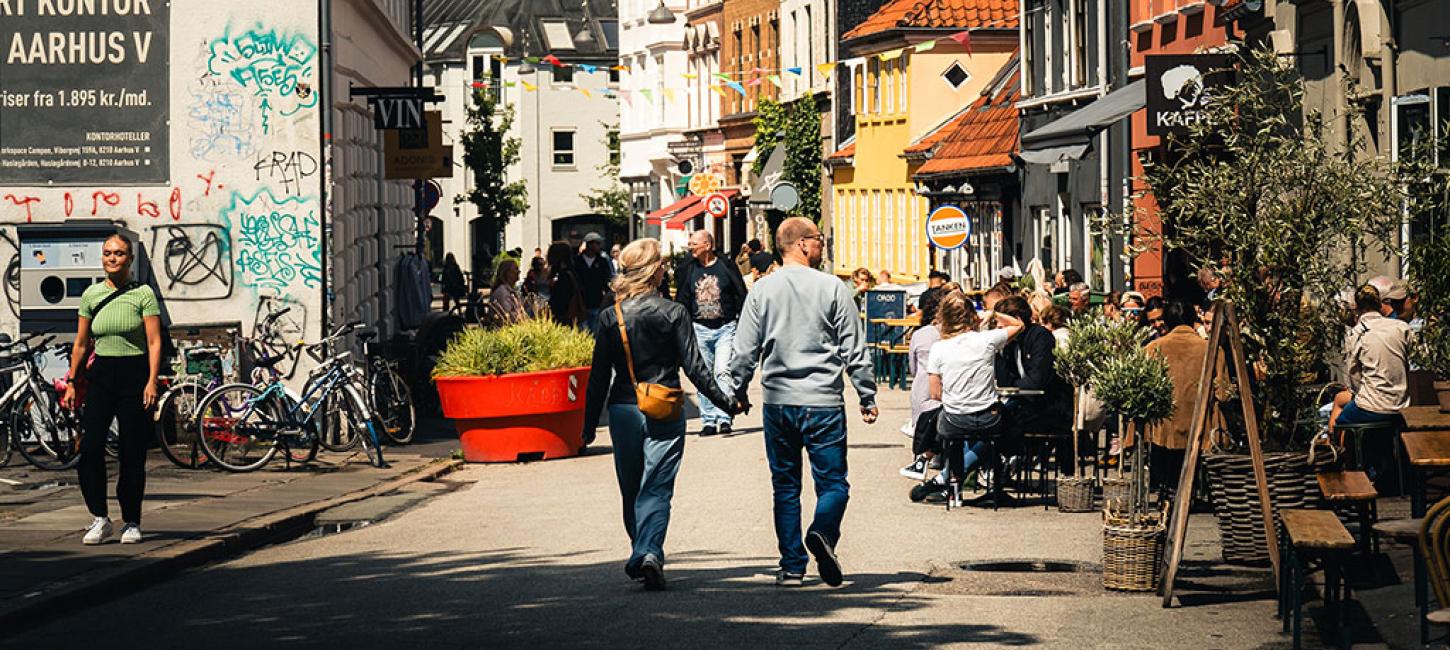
(965, 365)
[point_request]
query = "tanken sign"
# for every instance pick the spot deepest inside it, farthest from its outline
(1179, 88)
(948, 227)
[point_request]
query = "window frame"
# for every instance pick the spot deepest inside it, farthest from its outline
(555, 152)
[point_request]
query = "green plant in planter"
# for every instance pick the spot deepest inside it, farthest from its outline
(1092, 341)
(1136, 385)
(533, 345)
(1430, 275)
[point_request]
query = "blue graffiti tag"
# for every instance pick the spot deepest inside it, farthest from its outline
(277, 240)
(222, 120)
(277, 66)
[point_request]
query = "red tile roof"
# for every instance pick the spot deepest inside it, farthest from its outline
(938, 14)
(844, 153)
(983, 137)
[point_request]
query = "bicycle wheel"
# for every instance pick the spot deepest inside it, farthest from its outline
(238, 428)
(47, 436)
(367, 430)
(392, 403)
(332, 434)
(176, 425)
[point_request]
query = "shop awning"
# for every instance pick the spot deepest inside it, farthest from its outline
(684, 217)
(1070, 136)
(659, 216)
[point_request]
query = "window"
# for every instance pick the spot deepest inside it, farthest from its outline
(888, 71)
(612, 137)
(901, 83)
(956, 75)
(860, 104)
(873, 77)
(1079, 44)
(563, 148)
(478, 68)
(807, 64)
(563, 74)
(613, 75)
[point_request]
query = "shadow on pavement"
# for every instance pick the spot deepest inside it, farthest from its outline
(507, 597)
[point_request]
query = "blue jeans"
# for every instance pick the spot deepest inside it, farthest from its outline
(646, 459)
(717, 346)
(821, 430)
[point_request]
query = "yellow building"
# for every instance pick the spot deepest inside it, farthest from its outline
(917, 64)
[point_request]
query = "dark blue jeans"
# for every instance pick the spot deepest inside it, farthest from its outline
(821, 431)
(647, 458)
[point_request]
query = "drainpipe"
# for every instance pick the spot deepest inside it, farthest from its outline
(324, 28)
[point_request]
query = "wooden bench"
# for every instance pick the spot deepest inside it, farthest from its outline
(1403, 531)
(1354, 491)
(1313, 536)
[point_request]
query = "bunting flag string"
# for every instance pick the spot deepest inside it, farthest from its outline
(648, 95)
(775, 79)
(826, 69)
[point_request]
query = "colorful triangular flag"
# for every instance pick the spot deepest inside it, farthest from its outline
(753, 82)
(737, 87)
(532, 59)
(554, 61)
(509, 84)
(775, 79)
(585, 91)
(588, 69)
(723, 77)
(528, 86)
(620, 68)
(669, 94)
(892, 55)
(925, 46)
(794, 71)
(826, 69)
(480, 84)
(719, 89)
(964, 38)
(649, 95)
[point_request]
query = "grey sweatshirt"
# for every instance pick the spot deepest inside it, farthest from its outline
(803, 330)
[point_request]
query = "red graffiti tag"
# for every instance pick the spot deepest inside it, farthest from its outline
(26, 201)
(109, 198)
(208, 179)
(175, 204)
(70, 205)
(147, 208)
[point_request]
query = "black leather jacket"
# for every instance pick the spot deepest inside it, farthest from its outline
(663, 343)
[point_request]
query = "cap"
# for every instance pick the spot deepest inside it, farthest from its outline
(1007, 273)
(1399, 290)
(1381, 283)
(593, 237)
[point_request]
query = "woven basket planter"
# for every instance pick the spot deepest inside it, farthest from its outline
(1292, 484)
(1132, 553)
(1075, 494)
(1115, 492)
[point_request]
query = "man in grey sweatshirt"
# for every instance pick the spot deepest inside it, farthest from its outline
(802, 328)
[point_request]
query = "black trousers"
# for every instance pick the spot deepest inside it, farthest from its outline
(924, 438)
(114, 393)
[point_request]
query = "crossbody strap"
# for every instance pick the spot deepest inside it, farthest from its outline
(624, 336)
(114, 295)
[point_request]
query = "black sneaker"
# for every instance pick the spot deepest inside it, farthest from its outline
(653, 572)
(785, 578)
(825, 554)
(726, 431)
(708, 430)
(916, 471)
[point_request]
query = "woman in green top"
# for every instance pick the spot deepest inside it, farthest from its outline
(125, 333)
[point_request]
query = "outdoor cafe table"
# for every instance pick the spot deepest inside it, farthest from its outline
(1427, 446)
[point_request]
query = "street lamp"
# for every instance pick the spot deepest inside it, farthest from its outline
(661, 15)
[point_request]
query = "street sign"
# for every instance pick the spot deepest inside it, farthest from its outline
(1179, 88)
(784, 197)
(717, 205)
(432, 194)
(705, 184)
(398, 113)
(948, 227)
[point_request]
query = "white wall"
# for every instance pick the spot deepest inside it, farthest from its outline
(805, 40)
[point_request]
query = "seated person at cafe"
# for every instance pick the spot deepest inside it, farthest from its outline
(1377, 367)
(960, 374)
(1184, 350)
(1026, 364)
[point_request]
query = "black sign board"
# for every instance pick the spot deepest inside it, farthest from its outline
(84, 93)
(1179, 87)
(395, 113)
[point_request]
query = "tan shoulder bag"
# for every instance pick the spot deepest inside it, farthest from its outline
(656, 401)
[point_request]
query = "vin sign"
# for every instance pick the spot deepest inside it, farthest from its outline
(84, 90)
(1179, 88)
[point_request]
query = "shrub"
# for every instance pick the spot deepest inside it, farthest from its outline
(1091, 342)
(1430, 275)
(533, 345)
(1136, 385)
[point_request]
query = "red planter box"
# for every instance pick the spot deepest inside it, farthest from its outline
(511, 418)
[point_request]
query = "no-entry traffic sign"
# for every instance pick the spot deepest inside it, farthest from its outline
(717, 205)
(948, 227)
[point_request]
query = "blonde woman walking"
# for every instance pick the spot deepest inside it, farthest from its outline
(645, 339)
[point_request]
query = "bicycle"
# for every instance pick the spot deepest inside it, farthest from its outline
(46, 435)
(242, 426)
(198, 373)
(388, 394)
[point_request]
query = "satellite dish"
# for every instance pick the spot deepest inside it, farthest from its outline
(686, 167)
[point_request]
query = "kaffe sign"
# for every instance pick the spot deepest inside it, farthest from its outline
(1179, 88)
(84, 92)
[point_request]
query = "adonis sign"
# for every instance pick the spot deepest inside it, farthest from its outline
(1180, 87)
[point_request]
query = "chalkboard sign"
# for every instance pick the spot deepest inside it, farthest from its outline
(883, 304)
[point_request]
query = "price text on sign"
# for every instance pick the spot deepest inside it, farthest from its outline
(948, 227)
(717, 205)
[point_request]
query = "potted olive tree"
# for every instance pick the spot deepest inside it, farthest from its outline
(1430, 275)
(1137, 386)
(1091, 341)
(516, 392)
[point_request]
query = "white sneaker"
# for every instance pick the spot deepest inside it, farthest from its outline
(131, 534)
(99, 531)
(916, 471)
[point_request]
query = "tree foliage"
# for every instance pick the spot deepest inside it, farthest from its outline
(798, 125)
(488, 152)
(1263, 191)
(1136, 385)
(1430, 275)
(1091, 342)
(613, 199)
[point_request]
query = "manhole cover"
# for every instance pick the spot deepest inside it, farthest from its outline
(1032, 566)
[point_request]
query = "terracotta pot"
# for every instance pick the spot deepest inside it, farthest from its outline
(1442, 391)
(518, 417)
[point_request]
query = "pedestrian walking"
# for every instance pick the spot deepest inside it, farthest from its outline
(503, 299)
(639, 350)
(801, 327)
(455, 287)
(712, 292)
(565, 301)
(594, 272)
(120, 321)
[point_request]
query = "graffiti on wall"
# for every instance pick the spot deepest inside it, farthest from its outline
(221, 118)
(192, 261)
(278, 241)
(277, 67)
(286, 170)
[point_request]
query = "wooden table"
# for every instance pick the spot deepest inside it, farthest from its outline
(1428, 451)
(1426, 418)
(897, 322)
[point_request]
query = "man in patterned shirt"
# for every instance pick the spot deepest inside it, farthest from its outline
(712, 291)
